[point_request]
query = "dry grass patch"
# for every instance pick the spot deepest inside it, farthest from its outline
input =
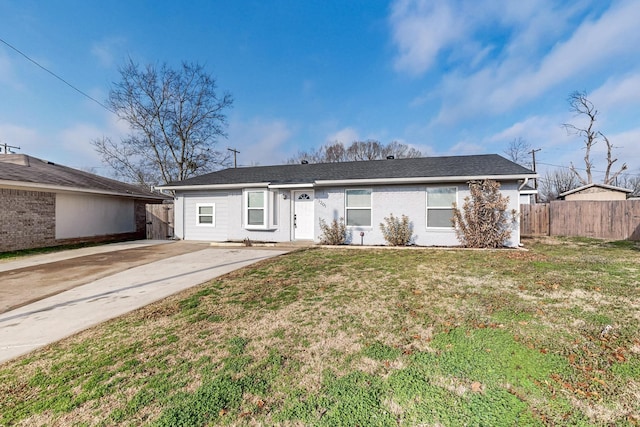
(360, 337)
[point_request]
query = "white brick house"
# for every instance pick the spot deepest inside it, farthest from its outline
(286, 203)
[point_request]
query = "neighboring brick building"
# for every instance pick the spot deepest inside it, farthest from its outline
(43, 204)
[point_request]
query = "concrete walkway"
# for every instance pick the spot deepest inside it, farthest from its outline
(46, 321)
(32, 260)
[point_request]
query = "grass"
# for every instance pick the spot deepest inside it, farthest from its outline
(9, 255)
(347, 337)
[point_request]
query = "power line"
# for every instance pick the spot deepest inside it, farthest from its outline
(583, 169)
(57, 76)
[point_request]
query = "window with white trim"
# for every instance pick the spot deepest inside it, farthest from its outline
(440, 202)
(206, 214)
(358, 207)
(260, 209)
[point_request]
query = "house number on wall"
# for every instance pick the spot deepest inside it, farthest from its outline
(321, 203)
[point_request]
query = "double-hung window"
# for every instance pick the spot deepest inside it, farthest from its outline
(440, 202)
(358, 207)
(260, 209)
(206, 214)
(256, 208)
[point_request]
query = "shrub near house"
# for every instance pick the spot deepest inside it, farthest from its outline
(483, 221)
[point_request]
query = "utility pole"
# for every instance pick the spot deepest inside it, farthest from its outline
(235, 152)
(535, 182)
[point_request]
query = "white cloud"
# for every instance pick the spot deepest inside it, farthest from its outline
(77, 140)
(559, 149)
(7, 72)
(260, 141)
(539, 131)
(626, 148)
(617, 92)
(539, 48)
(421, 29)
(19, 136)
(346, 136)
(69, 145)
(424, 31)
(465, 148)
(108, 50)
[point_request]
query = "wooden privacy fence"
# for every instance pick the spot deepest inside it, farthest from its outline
(534, 220)
(160, 221)
(616, 220)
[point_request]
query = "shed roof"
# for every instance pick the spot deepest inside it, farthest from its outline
(23, 171)
(452, 168)
(596, 185)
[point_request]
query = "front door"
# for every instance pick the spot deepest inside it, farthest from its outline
(303, 215)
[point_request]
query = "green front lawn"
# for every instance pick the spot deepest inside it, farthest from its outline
(352, 337)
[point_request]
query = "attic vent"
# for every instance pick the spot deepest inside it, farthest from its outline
(305, 162)
(390, 157)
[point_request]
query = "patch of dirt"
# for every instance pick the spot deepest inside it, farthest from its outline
(29, 284)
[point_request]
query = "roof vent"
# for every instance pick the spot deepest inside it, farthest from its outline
(305, 162)
(391, 157)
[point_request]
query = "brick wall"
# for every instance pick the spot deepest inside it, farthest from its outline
(27, 219)
(140, 208)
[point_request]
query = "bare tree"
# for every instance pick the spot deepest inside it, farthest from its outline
(555, 183)
(357, 151)
(176, 118)
(582, 106)
(630, 182)
(518, 152)
(364, 150)
(399, 151)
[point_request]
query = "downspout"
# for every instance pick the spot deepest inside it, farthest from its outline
(525, 181)
(184, 212)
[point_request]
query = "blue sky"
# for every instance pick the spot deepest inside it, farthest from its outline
(447, 77)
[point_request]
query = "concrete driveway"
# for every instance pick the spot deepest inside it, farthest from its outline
(55, 299)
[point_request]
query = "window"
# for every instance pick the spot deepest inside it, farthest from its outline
(260, 209)
(440, 206)
(206, 214)
(256, 208)
(274, 206)
(358, 207)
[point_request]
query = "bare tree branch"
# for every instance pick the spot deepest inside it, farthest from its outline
(518, 152)
(557, 182)
(582, 106)
(357, 151)
(611, 179)
(176, 119)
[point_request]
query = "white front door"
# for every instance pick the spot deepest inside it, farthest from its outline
(303, 215)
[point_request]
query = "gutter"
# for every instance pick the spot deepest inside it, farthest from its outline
(419, 180)
(21, 185)
(306, 185)
(211, 186)
(347, 182)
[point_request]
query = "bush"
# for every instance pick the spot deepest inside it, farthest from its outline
(483, 221)
(334, 234)
(397, 231)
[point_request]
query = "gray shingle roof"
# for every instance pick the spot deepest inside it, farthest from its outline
(20, 168)
(424, 167)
